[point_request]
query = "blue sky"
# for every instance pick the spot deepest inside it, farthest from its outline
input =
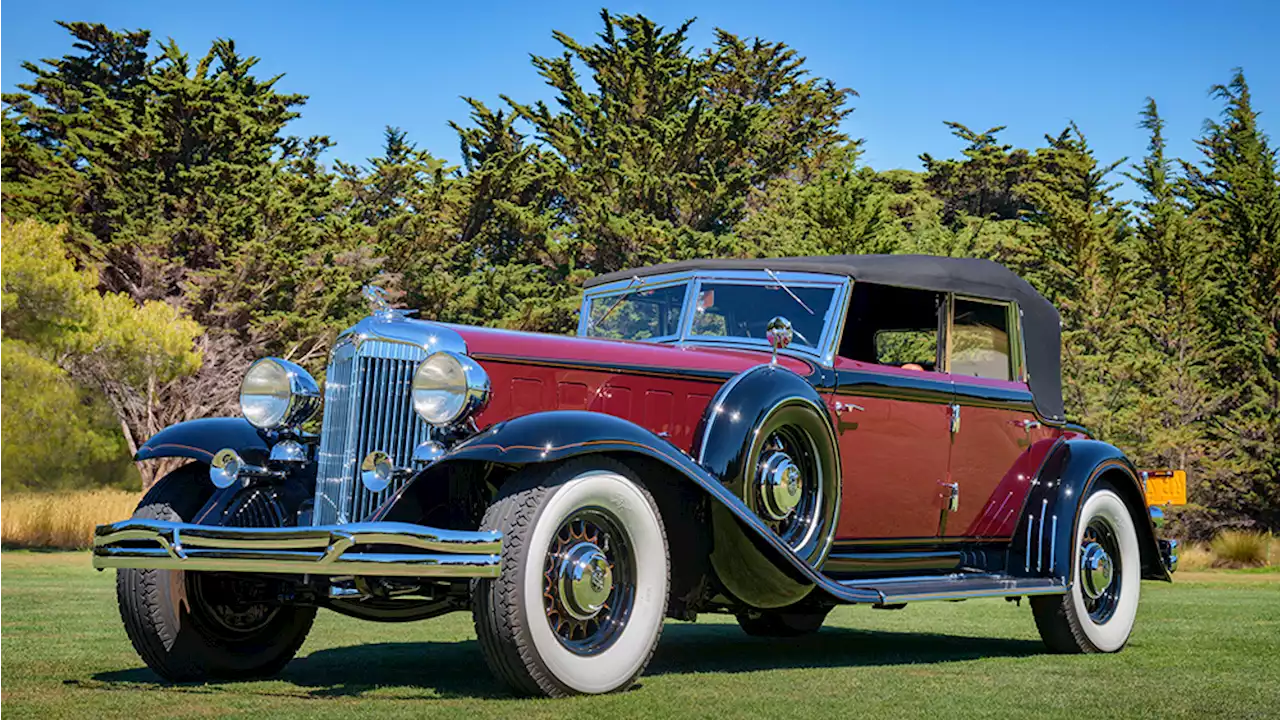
(1032, 66)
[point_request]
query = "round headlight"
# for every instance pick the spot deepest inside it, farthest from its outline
(277, 393)
(448, 387)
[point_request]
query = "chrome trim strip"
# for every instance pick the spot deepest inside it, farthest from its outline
(1044, 504)
(1053, 543)
(414, 550)
(1031, 520)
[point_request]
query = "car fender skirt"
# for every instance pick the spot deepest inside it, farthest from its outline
(1044, 543)
(201, 439)
(558, 435)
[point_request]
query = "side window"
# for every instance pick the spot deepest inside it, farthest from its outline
(905, 347)
(980, 344)
(893, 326)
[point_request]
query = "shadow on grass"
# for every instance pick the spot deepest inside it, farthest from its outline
(456, 669)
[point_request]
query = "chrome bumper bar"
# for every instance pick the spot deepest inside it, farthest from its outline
(382, 549)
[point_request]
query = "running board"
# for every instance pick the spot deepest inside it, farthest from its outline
(957, 586)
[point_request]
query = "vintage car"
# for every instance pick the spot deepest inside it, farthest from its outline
(765, 438)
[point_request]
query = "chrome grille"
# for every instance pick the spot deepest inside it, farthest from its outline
(367, 407)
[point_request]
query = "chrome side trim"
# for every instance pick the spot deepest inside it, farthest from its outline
(1053, 542)
(1031, 520)
(1040, 542)
(405, 550)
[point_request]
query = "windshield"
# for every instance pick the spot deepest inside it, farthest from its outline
(743, 311)
(637, 314)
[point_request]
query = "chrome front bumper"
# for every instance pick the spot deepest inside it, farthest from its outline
(375, 548)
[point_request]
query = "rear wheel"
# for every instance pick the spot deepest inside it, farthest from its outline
(1097, 613)
(580, 602)
(196, 626)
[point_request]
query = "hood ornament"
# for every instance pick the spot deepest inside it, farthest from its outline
(779, 334)
(377, 299)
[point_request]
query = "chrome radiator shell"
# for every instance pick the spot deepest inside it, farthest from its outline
(367, 407)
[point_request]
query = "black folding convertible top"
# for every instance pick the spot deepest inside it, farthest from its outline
(1041, 326)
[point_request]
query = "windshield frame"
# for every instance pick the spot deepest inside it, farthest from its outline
(833, 316)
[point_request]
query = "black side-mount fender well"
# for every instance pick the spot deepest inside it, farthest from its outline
(729, 442)
(201, 439)
(558, 435)
(1044, 543)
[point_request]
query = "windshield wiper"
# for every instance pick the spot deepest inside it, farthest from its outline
(783, 285)
(636, 282)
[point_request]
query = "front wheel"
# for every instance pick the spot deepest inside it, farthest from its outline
(191, 626)
(580, 602)
(1097, 613)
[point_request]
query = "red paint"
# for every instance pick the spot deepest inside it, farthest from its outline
(986, 460)
(658, 390)
(654, 356)
(998, 518)
(893, 464)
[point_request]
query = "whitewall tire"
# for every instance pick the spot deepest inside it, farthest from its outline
(1098, 612)
(580, 603)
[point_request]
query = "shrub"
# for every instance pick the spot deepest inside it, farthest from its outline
(1241, 548)
(60, 520)
(1194, 557)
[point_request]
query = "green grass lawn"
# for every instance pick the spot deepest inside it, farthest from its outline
(1208, 645)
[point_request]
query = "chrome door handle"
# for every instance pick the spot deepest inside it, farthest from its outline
(952, 496)
(1029, 424)
(841, 407)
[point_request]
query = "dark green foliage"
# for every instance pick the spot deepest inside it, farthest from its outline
(1235, 194)
(177, 180)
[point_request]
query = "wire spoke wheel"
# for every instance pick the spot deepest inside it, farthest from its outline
(228, 607)
(588, 581)
(1100, 569)
(789, 484)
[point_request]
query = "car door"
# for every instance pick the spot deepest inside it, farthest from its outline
(894, 438)
(892, 414)
(995, 443)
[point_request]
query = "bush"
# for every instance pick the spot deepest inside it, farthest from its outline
(60, 520)
(1194, 557)
(1241, 548)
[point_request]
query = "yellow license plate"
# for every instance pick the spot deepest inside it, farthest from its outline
(1166, 487)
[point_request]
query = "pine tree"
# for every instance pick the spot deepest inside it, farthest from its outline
(1081, 260)
(1236, 194)
(1175, 289)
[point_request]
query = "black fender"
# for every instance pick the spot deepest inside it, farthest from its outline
(201, 439)
(1043, 544)
(558, 435)
(728, 445)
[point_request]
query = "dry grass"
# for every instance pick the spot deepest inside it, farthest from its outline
(1241, 548)
(60, 520)
(1193, 557)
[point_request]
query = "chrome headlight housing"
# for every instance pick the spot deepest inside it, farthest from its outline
(449, 387)
(276, 393)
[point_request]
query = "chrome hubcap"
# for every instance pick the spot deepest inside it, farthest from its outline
(589, 581)
(585, 580)
(781, 486)
(1096, 570)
